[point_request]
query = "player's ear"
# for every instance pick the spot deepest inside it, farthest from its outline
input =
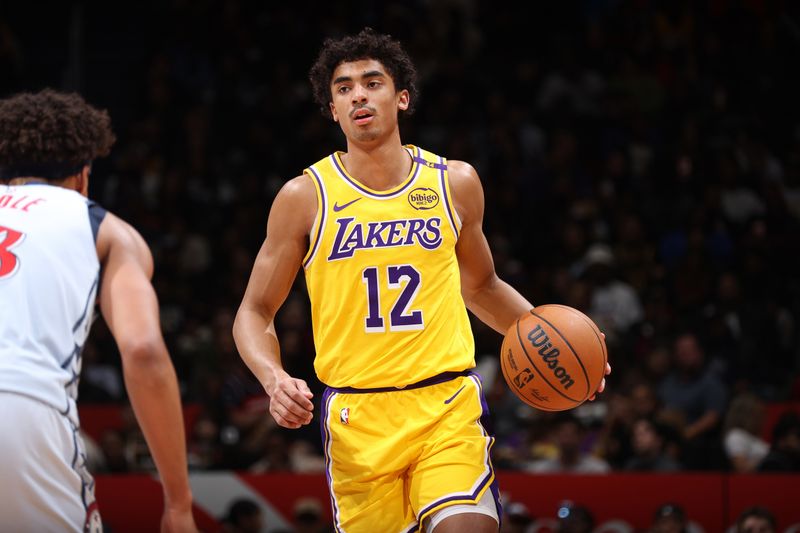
(333, 112)
(403, 100)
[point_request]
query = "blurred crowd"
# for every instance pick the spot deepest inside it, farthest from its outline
(572, 517)
(245, 516)
(641, 162)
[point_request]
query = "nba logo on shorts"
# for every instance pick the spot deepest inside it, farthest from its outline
(344, 415)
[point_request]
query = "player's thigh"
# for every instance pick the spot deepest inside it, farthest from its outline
(43, 459)
(367, 457)
(455, 467)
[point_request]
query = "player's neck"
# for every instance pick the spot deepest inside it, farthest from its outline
(381, 167)
(27, 180)
(70, 182)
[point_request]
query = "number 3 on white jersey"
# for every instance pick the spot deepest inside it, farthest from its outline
(9, 263)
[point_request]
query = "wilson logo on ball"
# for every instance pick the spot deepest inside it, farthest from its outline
(549, 354)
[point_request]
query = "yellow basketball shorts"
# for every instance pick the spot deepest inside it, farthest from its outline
(395, 456)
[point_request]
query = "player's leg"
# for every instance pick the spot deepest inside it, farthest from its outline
(480, 518)
(459, 523)
(366, 455)
(43, 468)
(453, 482)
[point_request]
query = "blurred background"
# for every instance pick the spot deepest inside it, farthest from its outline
(641, 162)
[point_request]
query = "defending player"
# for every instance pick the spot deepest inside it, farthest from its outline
(391, 243)
(59, 253)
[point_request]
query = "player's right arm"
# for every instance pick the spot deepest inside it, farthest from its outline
(280, 257)
(130, 308)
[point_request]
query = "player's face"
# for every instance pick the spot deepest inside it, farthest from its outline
(365, 101)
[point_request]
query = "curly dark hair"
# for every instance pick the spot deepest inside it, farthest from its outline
(368, 44)
(50, 132)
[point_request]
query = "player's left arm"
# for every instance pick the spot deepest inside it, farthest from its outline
(129, 305)
(492, 300)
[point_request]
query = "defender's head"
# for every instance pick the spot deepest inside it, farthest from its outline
(52, 136)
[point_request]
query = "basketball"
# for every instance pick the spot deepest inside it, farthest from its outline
(553, 357)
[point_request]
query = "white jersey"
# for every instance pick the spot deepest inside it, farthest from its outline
(49, 277)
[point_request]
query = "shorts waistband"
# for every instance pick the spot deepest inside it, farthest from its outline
(434, 380)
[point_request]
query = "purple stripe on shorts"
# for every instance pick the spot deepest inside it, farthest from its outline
(327, 397)
(488, 428)
(322, 209)
(484, 419)
(457, 497)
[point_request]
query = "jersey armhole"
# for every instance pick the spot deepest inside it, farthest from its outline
(96, 216)
(449, 206)
(315, 235)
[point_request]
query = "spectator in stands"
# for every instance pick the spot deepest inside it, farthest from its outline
(243, 516)
(308, 517)
(567, 435)
(245, 430)
(644, 399)
(742, 433)
(614, 439)
(756, 520)
(784, 454)
(669, 518)
(517, 518)
(650, 440)
(274, 451)
(114, 449)
(696, 396)
(574, 518)
(615, 306)
(204, 449)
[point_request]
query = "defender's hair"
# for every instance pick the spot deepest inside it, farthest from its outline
(50, 135)
(368, 44)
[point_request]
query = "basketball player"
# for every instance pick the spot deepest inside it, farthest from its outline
(390, 239)
(59, 253)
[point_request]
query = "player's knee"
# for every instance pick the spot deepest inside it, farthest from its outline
(467, 522)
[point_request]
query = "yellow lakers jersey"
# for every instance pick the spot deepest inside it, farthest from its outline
(383, 278)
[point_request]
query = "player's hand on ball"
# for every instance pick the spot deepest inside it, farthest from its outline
(554, 358)
(602, 386)
(290, 402)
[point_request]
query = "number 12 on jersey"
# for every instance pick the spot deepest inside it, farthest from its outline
(398, 277)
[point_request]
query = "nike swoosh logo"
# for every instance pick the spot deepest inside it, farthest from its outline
(337, 207)
(453, 397)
